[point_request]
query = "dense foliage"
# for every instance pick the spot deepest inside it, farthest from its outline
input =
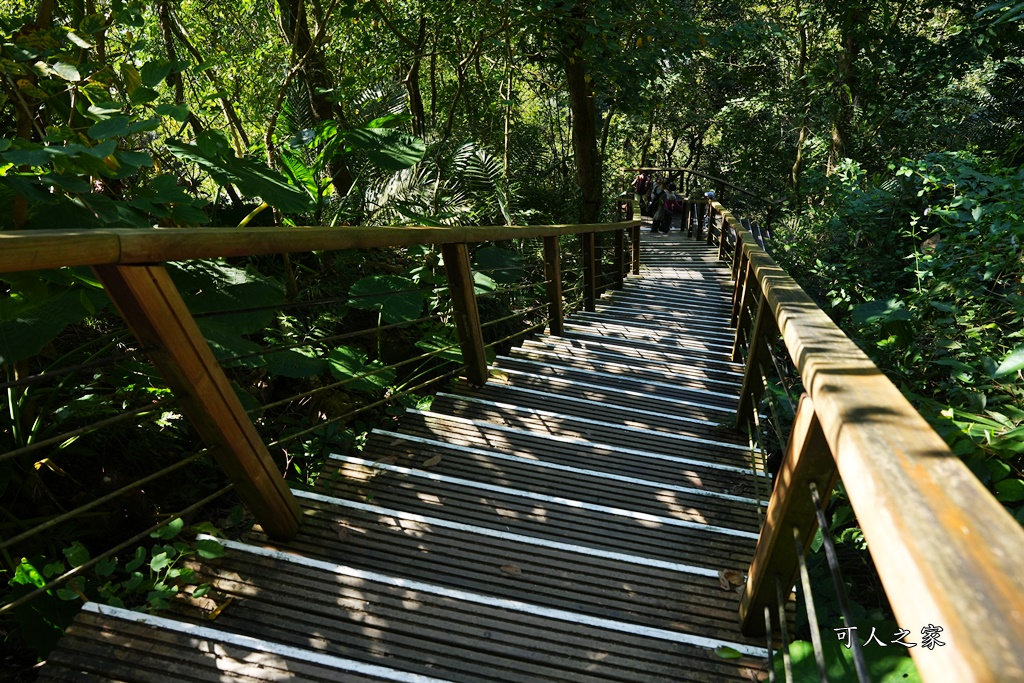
(889, 133)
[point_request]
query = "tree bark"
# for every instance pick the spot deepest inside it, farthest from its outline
(801, 79)
(845, 86)
(584, 133)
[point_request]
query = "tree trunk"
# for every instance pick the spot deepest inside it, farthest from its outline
(801, 79)
(845, 87)
(315, 79)
(584, 134)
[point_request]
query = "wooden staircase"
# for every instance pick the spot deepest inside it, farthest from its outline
(579, 518)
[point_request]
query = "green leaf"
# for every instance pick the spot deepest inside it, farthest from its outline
(1010, 490)
(135, 581)
(143, 94)
(726, 652)
(879, 311)
(294, 364)
(106, 567)
(169, 531)
(253, 178)
(69, 72)
(390, 295)
(66, 594)
(506, 264)
(77, 554)
(1013, 362)
(347, 362)
(159, 561)
(154, 72)
(388, 148)
(178, 112)
(136, 562)
(112, 127)
(209, 549)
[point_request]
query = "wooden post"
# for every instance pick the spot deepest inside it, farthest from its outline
(589, 289)
(619, 258)
(765, 332)
(744, 317)
(688, 217)
(636, 249)
(553, 274)
(154, 310)
(722, 240)
(740, 278)
(467, 316)
(807, 459)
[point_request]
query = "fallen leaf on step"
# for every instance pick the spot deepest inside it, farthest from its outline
(430, 462)
(734, 577)
(512, 569)
(388, 460)
(722, 581)
(216, 613)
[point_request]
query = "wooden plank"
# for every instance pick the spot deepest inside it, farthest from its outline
(807, 460)
(947, 552)
(152, 307)
(22, 250)
(553, 275)
(467, 316)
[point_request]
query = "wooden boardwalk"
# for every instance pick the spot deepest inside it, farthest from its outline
(570, 521)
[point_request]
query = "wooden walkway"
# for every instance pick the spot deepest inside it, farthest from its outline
(573, 520)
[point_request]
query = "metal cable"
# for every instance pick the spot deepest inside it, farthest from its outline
(100, 501)
(331, 338)
(314, 302)
(517, 314)
(99, 558)
(505, 290)
(812, 613)
(517, 334)
(844, 604)
(70, 369)
(787, 663)
(352, 413)
(86, 429)
(349, 380)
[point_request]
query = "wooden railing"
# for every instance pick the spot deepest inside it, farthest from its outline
(948, 554)
(128, 264)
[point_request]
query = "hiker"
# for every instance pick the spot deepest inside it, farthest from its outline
(673, 210)
(658, 206)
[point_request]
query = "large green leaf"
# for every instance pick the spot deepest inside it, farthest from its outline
(390, 295)
(253, 178)
(295, 364)
(347, 362)
(29, 323)
(503, 265)
(1013, 362)
(388, 148)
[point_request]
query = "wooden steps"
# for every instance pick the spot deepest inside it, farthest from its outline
(566, 522)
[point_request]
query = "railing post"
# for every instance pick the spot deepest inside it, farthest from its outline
(688, 218)
(807, 459)
(722, 240)
(740, 278)
(553, 275)
(619, 256)
(154, 310)
(743, 319)
(636, 249)
(467, 316)
(764, 333)
(589, 287)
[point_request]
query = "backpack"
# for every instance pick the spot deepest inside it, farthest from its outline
(672, 204)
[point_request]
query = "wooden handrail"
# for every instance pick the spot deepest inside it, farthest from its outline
(127, 261)
(946, 550)
(22, 250)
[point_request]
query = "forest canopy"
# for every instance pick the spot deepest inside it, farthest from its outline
(886, 137)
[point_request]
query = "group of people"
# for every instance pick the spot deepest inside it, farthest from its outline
(658, 199)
